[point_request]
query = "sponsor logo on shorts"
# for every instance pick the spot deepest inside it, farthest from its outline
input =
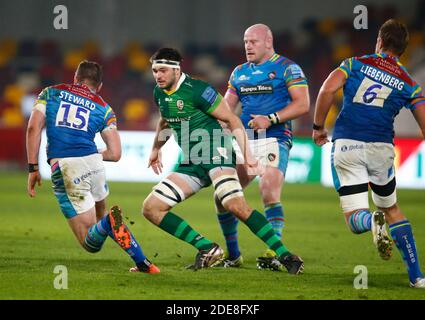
(271, 157)
(84, 176)
(352, 147)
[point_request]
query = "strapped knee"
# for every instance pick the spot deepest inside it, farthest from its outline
(227, 187)
(354, 197)
(168, 192)
(384, 196)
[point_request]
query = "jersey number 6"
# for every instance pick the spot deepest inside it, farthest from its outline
(372, 93)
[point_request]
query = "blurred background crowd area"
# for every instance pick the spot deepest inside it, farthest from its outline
(27, 65)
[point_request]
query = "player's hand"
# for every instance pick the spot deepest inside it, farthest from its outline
(155, 161)
(320, 137)
(259, 122)
(253, 167)
(33, 179)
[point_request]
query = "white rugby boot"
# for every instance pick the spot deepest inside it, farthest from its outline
(381, 239)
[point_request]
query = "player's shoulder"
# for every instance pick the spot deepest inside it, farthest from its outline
(195, 83)
(156, 90)
(364, 58)
(285, 65)
(46, 92)
(241, 67)
(61, 86)
(356, 62)
(100, 101)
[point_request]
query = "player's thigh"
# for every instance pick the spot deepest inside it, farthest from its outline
(276, 164)
(81, 223)
(271, 185)
(71, 185)
(100, 207)
(350, 175)
(380, 164)
(244, 178)
(99, 185)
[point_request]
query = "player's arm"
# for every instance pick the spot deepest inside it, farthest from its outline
(299, 106)
(419, 114)
(232, 100)
(36, 124)
(111, 137)
(161, 137)
(332, 84)
(112, 140)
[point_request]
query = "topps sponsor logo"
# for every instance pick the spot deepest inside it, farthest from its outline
(267, 88)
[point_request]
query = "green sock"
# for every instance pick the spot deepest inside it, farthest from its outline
(264, 230)
(179, 228)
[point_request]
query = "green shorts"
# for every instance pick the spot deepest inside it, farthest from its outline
(209, 157)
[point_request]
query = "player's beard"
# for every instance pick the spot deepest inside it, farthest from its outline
(170, 83)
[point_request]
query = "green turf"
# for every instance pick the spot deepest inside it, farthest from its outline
(34, 238)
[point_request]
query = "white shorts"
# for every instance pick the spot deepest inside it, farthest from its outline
(78, 183)
(269, 152)
(355, 165)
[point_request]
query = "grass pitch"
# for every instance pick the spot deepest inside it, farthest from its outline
(34, 238)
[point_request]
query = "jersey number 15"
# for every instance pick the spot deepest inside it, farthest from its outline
(72, 116)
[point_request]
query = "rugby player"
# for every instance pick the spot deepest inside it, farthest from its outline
(375, 88)
(72, 115)
(191, 109)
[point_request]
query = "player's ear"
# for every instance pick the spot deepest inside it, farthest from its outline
(378, 47)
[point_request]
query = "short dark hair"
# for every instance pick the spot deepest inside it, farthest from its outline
(90, 71)
(394, 36)
(167, 54)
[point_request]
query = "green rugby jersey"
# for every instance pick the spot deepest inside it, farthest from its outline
(188, 108)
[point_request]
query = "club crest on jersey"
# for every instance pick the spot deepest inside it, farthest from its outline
(272, 75)
(180, 104)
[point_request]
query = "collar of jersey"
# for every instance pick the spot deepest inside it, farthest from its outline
(389, 56)
(84, 86)
(179, 83)
(273, 58)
